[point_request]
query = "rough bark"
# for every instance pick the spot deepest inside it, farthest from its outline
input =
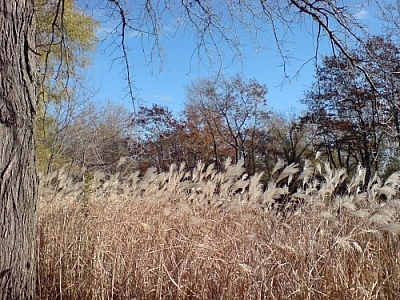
(18, 179)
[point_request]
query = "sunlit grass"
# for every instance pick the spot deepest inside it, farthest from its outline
(209, 235)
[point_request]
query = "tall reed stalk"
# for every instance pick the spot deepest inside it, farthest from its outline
(209, 235)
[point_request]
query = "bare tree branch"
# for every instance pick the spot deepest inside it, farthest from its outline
(124, 24)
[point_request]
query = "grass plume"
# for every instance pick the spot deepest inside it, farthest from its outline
(209, 235)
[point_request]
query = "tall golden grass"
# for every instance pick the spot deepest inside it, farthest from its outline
(210, 235)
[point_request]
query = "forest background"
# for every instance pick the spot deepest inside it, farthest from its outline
(344, 117)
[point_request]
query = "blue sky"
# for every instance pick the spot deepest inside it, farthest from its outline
(164, 81)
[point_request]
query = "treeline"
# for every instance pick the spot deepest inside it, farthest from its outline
(351, 116)
(352, 119)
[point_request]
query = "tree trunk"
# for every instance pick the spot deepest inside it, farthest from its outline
(18, 179)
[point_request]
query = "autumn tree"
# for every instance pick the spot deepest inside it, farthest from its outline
(355, 115)
(156, 144)
(64, 37)
(231, 108)
(200, 140)
(162, 139)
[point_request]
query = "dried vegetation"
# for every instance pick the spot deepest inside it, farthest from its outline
(309, 234)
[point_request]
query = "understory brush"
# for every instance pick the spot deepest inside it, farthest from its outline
(219, 235)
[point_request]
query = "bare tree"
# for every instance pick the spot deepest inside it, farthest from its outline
(357, 121)
(219, 24)
(231, 109)
(53, 127)
(98, 138)
(289, 140)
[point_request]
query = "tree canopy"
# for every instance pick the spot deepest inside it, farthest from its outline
(357, 117)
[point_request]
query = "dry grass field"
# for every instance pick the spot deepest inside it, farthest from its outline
(209, 235)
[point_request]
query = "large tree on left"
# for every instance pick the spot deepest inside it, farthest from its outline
(18, 179)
